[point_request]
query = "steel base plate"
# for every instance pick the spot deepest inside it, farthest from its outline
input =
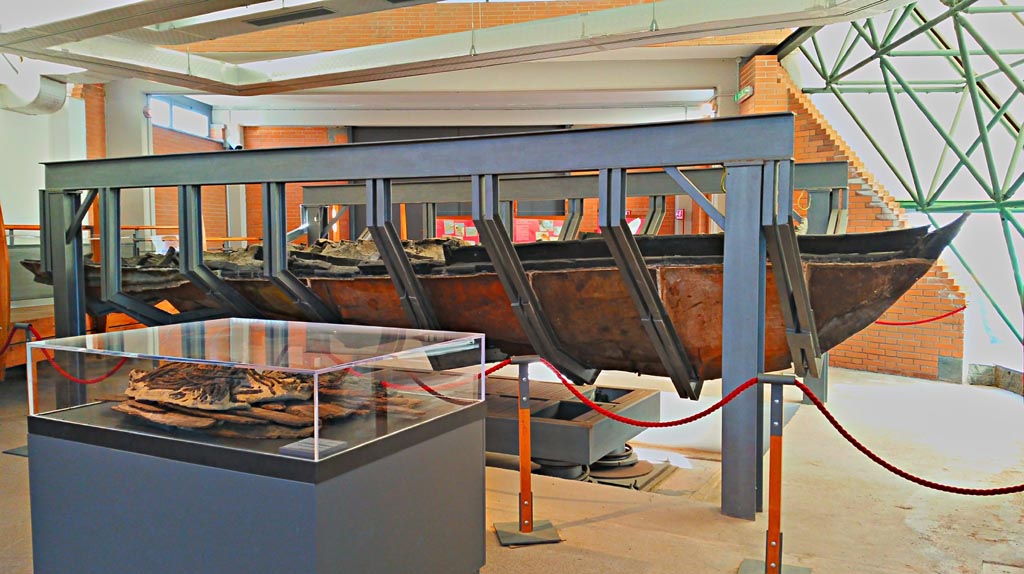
(750, 566)
(543, 533)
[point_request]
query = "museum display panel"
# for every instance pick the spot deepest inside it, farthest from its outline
(208, 436)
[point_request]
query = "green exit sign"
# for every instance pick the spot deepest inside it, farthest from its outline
(743, 94)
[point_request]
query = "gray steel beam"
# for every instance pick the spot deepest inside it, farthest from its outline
(410, 292)
(80, 214)
(742, 340)
(656, 205)
(573, 217)
(275, 256)
(190, 255)
(677, 143)
(509, 269)
(687, 185)
(429, 220)
(793, 41)
(68, 264)
(44, 240)
(640, 284)
(824, 175)
(790, 283)
(110, 270)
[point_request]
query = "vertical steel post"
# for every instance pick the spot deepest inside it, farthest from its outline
(742, 338)
(773, 544)
(68, 265)
(525, 476)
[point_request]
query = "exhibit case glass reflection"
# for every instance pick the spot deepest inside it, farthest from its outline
(260, 385)
(309, 436)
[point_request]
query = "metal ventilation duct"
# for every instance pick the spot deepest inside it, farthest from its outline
(33, 95)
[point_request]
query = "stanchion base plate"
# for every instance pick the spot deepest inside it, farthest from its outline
(750, 566)
(543, 533)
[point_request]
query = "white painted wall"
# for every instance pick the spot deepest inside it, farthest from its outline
(25, 143)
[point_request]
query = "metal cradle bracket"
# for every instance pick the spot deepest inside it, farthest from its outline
(640, 283)
(190, 261)
(110, 275)
(656, 206)
(513, 278)
(275, 256)
(784, 254)
(410, 291)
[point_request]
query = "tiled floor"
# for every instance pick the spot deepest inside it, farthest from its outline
(841, 512)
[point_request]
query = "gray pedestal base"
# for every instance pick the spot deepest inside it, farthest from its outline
(100, 510)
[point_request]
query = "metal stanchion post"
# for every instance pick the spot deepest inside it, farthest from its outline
(526, 530)
(773, 540)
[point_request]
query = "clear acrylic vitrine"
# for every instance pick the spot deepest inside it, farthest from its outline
(291, 389)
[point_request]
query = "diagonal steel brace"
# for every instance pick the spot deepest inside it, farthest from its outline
(640, 283)
(513, 278)
(784, 254)
(410, 291)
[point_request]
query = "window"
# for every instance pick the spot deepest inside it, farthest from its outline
(181, 114)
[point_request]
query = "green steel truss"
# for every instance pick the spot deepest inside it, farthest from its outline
(969, 50)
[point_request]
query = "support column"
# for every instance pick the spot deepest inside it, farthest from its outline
(742, 340)
(68, 265)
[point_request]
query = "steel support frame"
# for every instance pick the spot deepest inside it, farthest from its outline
(656, 205)
(110, 270)
(790, 283)
(509, 268)
(726, 141)
(743, 304)
(67, 264)
(190, 255)
(641, 284)
(410, 291)
(275, 256)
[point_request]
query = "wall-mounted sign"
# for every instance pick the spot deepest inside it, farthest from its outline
(680, 214)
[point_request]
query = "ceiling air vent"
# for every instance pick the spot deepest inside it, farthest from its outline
(291, 16)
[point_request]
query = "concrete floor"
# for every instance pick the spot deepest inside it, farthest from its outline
(841, 512)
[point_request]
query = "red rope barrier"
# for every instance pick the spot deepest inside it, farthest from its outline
(824, 411)
(68, 375)
(7, 343)
(921, 321)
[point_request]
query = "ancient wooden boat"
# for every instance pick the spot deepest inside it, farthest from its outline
(852, 280)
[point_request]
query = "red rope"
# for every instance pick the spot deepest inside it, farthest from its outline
(68, 375)
(651, 424)
(921, 321)
(824, 411)
(7, 343)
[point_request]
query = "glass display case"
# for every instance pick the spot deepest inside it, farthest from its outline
(304, 390)
(258, 446)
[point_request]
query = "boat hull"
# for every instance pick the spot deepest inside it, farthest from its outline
(851, 280)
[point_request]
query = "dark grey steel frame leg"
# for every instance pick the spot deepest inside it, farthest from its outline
(742, 341)
(656, 206)
(818, 384)
(410, 291)
(640, 283)
(190, 262)
(64, 245)
(517, 285)
(110, 270)
(275, 256)
(573, 217)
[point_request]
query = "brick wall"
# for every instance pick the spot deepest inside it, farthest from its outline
(264, 137)
(911, 351)
(429, 20)
(215, 215)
